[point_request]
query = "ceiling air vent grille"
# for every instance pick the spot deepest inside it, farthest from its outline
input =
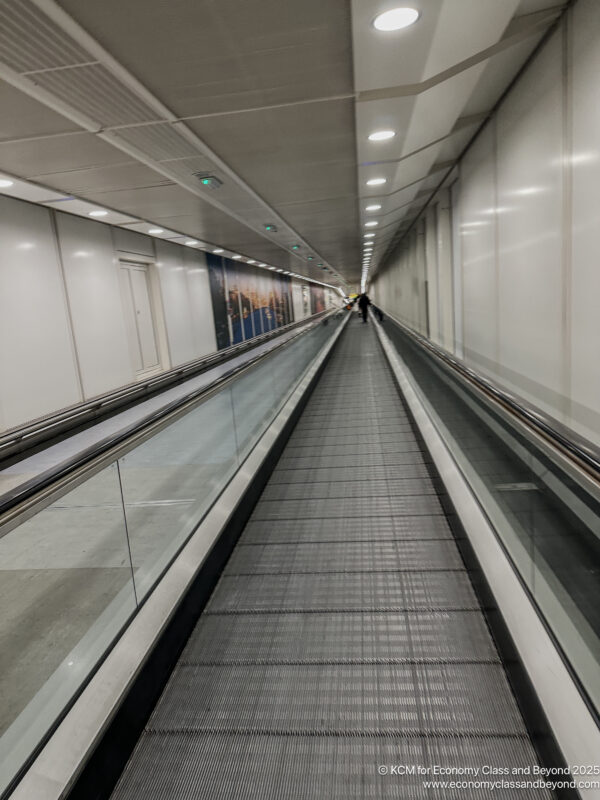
(30, 41)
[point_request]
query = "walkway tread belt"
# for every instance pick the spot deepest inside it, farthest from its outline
(344, 633)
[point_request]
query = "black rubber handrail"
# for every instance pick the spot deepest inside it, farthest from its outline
(20, 439)
(15, 497)
(579, 449)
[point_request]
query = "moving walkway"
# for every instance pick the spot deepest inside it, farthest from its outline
(309, 600)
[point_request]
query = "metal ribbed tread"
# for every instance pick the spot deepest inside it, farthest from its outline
(340, 490)
(366, 591)
(398, 444)
(371, 699)
(344, 632)
(358, 459)
(220, 766)
(304, 638)
(374, 556)
(396, 472)
(387, 506)
(342, 529)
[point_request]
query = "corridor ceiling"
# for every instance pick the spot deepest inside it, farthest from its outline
(127, 103)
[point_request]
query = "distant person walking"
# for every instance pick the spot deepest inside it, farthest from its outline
(363, 304)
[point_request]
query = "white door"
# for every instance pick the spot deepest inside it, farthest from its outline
(140, 322)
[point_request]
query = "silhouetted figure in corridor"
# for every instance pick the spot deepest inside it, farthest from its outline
(363, 304)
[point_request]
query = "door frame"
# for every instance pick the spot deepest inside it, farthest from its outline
(156, 309)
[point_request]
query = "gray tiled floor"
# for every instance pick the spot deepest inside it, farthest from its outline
(344, 632)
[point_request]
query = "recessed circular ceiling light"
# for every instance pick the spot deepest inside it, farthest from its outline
(236, 258)
(369, 235)
(376, 181)
(395, 19)
(381, 136)
(190, 242)
(371, 224)
(374, 207)
(261, 264)
(251, 261)
(5, 183)
(156, 230)
(219, 250)
(98, 213)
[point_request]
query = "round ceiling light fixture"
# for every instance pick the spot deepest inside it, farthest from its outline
(219, 250)
(156, 231)
(376, 181)
(98, 213)
(395, 19)
(374, 207)
(190, 242)
(369, 235)
(371, 224)
(5, 183)
(381, 136)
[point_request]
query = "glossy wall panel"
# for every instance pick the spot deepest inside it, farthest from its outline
(92, 279)
(203, 329)
(38, 373)
(529, 215)
(173, 277)
(585, 263)
(478, 252)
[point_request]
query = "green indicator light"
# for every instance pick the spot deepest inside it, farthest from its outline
(319, 264)
(311, 258)
(295, 247)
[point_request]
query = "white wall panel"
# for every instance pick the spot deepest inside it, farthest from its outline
(201, 314)
(445, 277)
(457, 269)
(38, 371)
(478, 252)
(432, 273)
(172, 273)
(585, 269)
(297, 302)
(133, 242)
(92, 279)
(529, 215)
